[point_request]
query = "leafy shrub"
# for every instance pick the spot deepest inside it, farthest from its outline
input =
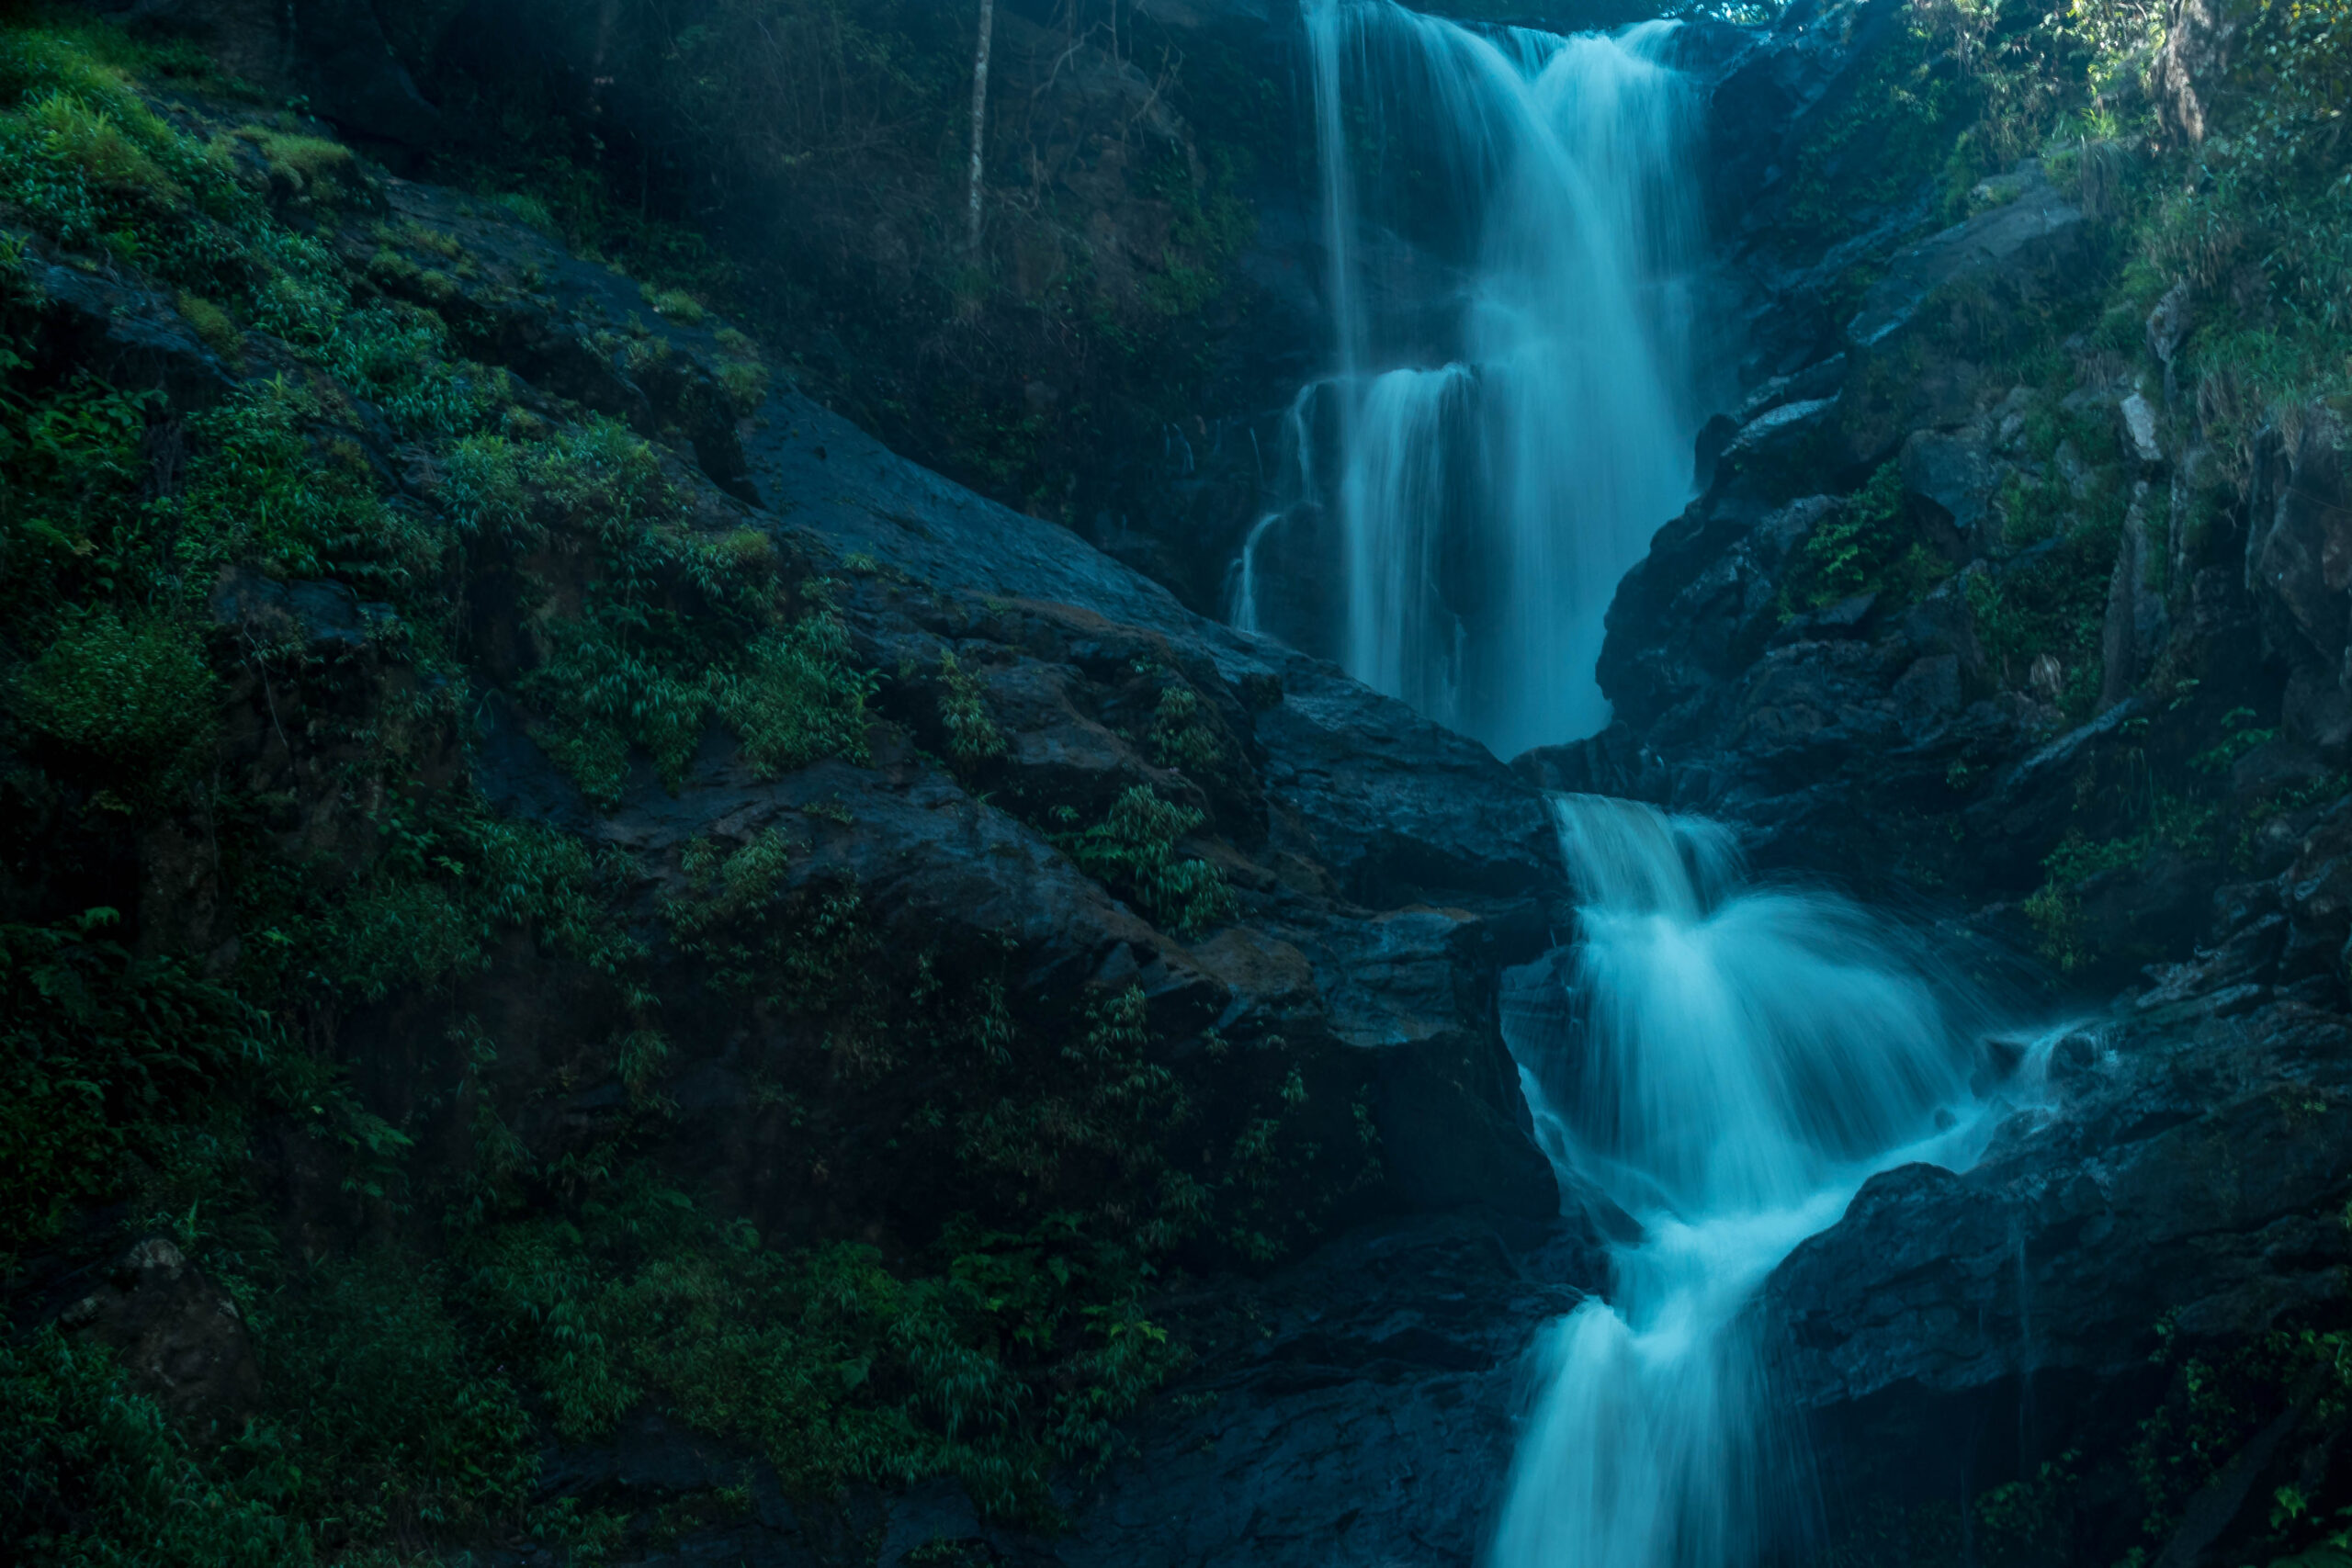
(92, 1475)
(606, 691)
(675, 628)
(972, 735)
(135, 694)
(261, 490)
(676, 304)
(1181, 737)
(1133, 852)
(315, 168)
(214, 325)
(1016, 1353)
(1866, 545)
(740, 370)
(447, 880)
(482, 488)
(101, 1050)
(2051, 601)
(398, 1420)
(797, 698)
(2054, 909)
(89, 165)
(70, 520)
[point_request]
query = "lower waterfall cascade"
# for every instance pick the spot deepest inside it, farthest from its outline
(1726, 1065)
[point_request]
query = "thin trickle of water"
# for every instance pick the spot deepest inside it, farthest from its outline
(1727, 1064)
(1510, 229)
(1298, 448)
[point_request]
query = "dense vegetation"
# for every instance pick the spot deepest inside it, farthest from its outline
(259, 612)
(2217, 174)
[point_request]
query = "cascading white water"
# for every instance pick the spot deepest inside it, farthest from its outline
(1727, 1064)
(1509, 230)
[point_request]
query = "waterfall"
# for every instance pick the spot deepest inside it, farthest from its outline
(1727, 1064)
(1510, 232)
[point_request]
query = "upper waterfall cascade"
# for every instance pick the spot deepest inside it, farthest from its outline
(1511, 235)
(1727, 1064)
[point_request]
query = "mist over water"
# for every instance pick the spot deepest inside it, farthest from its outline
(1511, 228)
(1727, 1064)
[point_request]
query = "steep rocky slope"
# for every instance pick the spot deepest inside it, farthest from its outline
(597, 964)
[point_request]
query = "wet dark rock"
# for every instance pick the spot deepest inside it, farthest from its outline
(116, 327)
(1395, 807)
(2188, 1172)
(178, 1335)
(320, 617)
(2029, 245)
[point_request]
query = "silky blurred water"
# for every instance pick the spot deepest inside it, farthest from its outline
(1727, 1064)
(1506, 431)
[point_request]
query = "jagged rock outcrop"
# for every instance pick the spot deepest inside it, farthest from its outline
(2049, 655)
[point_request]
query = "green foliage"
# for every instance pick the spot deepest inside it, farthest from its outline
(511, 1283)
(2055, 908)
(89, 165)
(606, 691)
(265, 489)
(214, 325)
(1893, 134)
(401, 1425)
(71, 525)
(1866, 545)
(800, 951)
(102, 1051)
(658, 610)
(972, 735)
(798, 698)
(136, 698)
(2276, 190)
(92, 1475)
(2050, 601)
(2221, 1393)
(1133, 852)
(445, 881)
(740, 370)
(665, 628)
(1012, 1353)
(395, 355)
(2030, 1520)
(674, 304)
(482, 488)
(316, 168)
(1181, 735)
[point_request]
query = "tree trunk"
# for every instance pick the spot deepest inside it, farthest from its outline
(979, 126)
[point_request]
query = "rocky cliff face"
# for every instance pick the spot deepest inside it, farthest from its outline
(1992, 607)
(732, 993)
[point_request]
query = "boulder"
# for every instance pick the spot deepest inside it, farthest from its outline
(178, 1335)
